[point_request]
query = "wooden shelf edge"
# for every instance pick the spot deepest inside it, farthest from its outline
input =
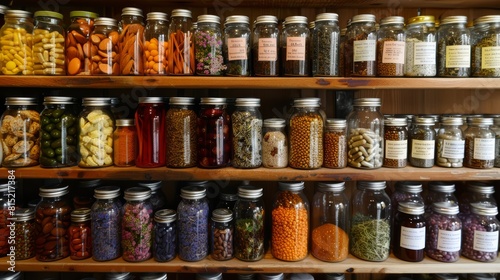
(259, 174)
(266, 265)
(197, 82)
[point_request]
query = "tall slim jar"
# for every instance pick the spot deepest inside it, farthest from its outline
(131, 42)
(295, 46)
(247, 133)
(450, 144)
(181, 124)
(391, 47)
(265, 46)
(361, 46)
(48, 58)
(156, 44)
(325, 45)
(237, 46)
(181, 59)
(150, 125)
(274, 144)
(422, 143)
(335, 144)
(208, 46)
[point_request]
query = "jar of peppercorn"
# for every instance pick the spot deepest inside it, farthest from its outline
(222, 234)
(479, 143)
(325, 45)
(266, 36)
(391, 47)
(480, 233)
(246, 124)
(361, 45)
(25, 233)
(444, 232)
(295, 46)
(335, 144)
(181, 133)
(409, 232)
(165, 242)
(80, 236)
(396, 142)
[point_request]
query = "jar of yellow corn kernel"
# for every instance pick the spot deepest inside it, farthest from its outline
(306, 134)
(15, 43)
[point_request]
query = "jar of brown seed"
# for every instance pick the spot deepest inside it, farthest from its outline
(479, 143)
(361, 46)
(335, 144)
(181, 132)
(396, 142)
(391, 47)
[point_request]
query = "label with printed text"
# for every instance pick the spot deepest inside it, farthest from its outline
(296, 48)
(268, 49)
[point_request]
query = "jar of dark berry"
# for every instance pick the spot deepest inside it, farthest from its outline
(444, 232)
(409, 232)
(480, 233)
(80, 236)
(165, 241)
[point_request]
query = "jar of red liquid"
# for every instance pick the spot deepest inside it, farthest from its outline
(79, 234)
(150, 124)
(214, 143)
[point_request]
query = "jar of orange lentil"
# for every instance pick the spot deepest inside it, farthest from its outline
(290, 222)
(330, 222)
(156, 44)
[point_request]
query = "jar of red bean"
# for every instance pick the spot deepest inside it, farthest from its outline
(444, 232)
(480, 233)
(79, 234)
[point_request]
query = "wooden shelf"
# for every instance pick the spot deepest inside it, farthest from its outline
(266, 265)
(260, 174)
(195, 82)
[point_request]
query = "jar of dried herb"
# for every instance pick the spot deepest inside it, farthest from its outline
(274, 144)
(361, 46)
(295, 46)
(450, 143)
(237, 46)
(335, 144)
(391, 47)
(422, 143)
(325, 45)
(479, 143)
(420, 47)
(181, 132)
(266, 36)
(208, 46)
(396, 142)
(454, 47)
(485, 62)
(247, 133)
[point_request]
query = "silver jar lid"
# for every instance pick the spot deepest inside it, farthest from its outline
(153, 276)
(395, 122)
(266, 19)
(336, 123)
(424, 121)
(17, 14)
(96, 101)
(222, 215)
(58, 100)
(106, 21)
(249, 102)
(363, 18)
(153, 186)
(53, 191)
(480, 121)
(295, 19)
(209, 19)
(411, 207)
(137, 194)
(371, 185)
(331, 186)
(7, 275)
(125, 122)
(181, 13)
(271, 276)
(117, 275)
(27, 101)
(80, 215)
(107, 192)
(445, 208)
(151, 99)
(209, 276)
(374, 101)
(157, 16)
(307, 102)
(193, 192)
(335, 276)
(409, 187)
(487, 19)
(484, 209)
(237, 19)
(454, 19)
(392, 20)
(291, 186)
(249, 192)
(131, 11)
(327, 17)
(228, 196)
(24, 214)
(274, 122)
(452, 121)
(212, 101)
(479, 187)
(301, 276)
(165, 216)
(442, 187)
(181, 100)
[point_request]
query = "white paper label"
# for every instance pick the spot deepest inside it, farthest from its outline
(490, 57)
(237, 48)
(422, 149)
(453, 148)
(394, 52)
(396, 149)
(412, 238)
(424, 53)
(268, 49)
(296, 48)
(484, 148)
(364, 50)
(449, 241)
(485, 241)
(458, 56)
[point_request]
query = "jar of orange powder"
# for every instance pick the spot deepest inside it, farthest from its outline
(125, 143)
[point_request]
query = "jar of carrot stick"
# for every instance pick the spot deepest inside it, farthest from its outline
(181, 43)
(125, 143)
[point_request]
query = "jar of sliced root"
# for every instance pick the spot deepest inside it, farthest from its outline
(131, 42)
(48, 44)
(365, 134)
(96, 133)
(104, 48)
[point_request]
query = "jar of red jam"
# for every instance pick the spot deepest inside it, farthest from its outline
(79, 234)
(150, 124)
(214, 143)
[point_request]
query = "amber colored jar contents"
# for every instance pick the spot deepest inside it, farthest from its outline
(150, 124)
(409, 232)
(131, 42)
(125, 143)
(181, 122)
(335, 144)
(80, 238)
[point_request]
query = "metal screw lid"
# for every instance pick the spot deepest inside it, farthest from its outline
(208, 19)
(208, 276)
(307, 102)
(131, 11)
(181, 13)
(150, 99)
(291, 186)
(363, 18)
(222, 215)
(295, 19)
(4, 187)
(411, 207)
(336, 123)
(371, 185)
(154, 186)
(408, 186)
(237, 19)
(84, 14)
(392, 20)
(181, 100)
(454, 19)
(24, 214)
(445, 276)
(107, 192)
(395, 121)
(125, 122)
(484, 209)
(193, 192)
(249, 192)
(153, 276)
(80, 215)
(327, 17)
(367, 102)
(53, 191)
(487, 19)
(165, 216)
(335, 276)
(442, 187)
(480, 121)
(51, 14)
(424, 121)
(96, 101)
(28, 101)
(228, 196)
(330, 186)
(58, 100)
(157, 16)
(452, 121)
(137, 194)
(445, 208)
(266, 19)
(272, 276)
(248, 102)
(478, 187)
(274, 122)
(117, 275)
(106, 21)
(212, 101)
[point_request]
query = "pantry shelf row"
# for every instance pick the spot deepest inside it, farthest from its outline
(196, 82)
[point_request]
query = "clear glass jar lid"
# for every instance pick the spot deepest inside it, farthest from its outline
(165, 216)
(249, 192)
(480, 121)
(24, 214)
(482, 188)
(212, 101)
(193, 192)
(80, 215)
(131, 11)
(409, 187)
(395, 121)
(411, 207)
(27, 101)
(181, 100)
(84, 14)
(125, 122)
(247, 102)
(107, 192)
(208, 19)
(53, 191)
(222, 215)
(266, 19)
(17, 14)
(424, 121)
(150, 99)
(445, 208)
(374, 101)
(58, 100)
(421, 19)
(96, 101)
(336, 123)
(295, 19)
(327, 17)
(291, 186)
(137, 194)
(307, 102)
(274, 122)
(363, 18)
(331, 186)
(392, 20)
(484, 209)
(106, 21)
(237, 19)
(487, 19)
(371, 185)
(454, 19)
(181, 13)
(51, 14)
(157, 16)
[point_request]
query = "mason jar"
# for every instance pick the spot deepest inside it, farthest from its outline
(48, 58)
(406, 191)
(450, 144)
(156, 44)
(479, 143)
(246, 124)
(125, 143)
(80, 234)
(237, 46)
(409, 231)
(25, 233)
(444, 232)
(295, 46)
(330, 222)
(454, 47)
(391, 47)
(396, 142)
(181, 43)
(422, 142)
(181, 133)
(221, 236)
(78, 38)
(265, 48)
(480, 233)
(420, 47)
(496, 129)
(361, 46)
(208, 46)
(165, 232)
(484, 37)
(104, 40)
(158, 199)
(18, 24)
(274, 144)
(7, 196)
(335, 144)
(365, 134)
(150, 125)
(325, 45)
(440, 192)
(20, 132)
(480, 192)
(131, 42)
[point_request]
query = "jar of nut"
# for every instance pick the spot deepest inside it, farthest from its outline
(361, 46)
(104, 48)
(396, 142)
(78, 56)
(335, 144)
(131, 42)
(479, 143)
(365, 137)
(222, 234)
(391, 47)
(48, 44)
(450, 143)
(18, 24)
(156, 44)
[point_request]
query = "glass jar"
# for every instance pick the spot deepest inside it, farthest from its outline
(25, 229)
(181, 43)
(237, 46)
(325, 45)
(290, 222)
(480, 233)
(78, 62)
(17, 30)
(152, 276)
(96, 133)
(181, 133)
(306, 134)
(454, 47)
(158, 199)
(480, 192)
(222, 235)
(52, 222)
(440, 192)
(496, 129)
(265, 49)
(485, 44)
(295, 46)
(479, 143)
(274, 144)
(330, 221)
(246, 123)
(104, 47)
(409, 232)
(209, 276)
(165, 232)
(214, 126)
(125, 143)
(365, 126)
(249, 224)
(150, 125)
(137, 225)
(422, 142)
(370, 225)
(193, 224)
(105, 216)
(48, 58)
(450, 144)
(360, 49)
(444, 232)
(208, 46)
(335, 144)
(118, 276)
(131, 42)
(227, 201)
(420, 47)
(391, 47)
(59, 132)
(156, 44)
(83, 196)
(271, 276)
(396, 142)
(80, 235)
(20, 132)
(406, 191)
